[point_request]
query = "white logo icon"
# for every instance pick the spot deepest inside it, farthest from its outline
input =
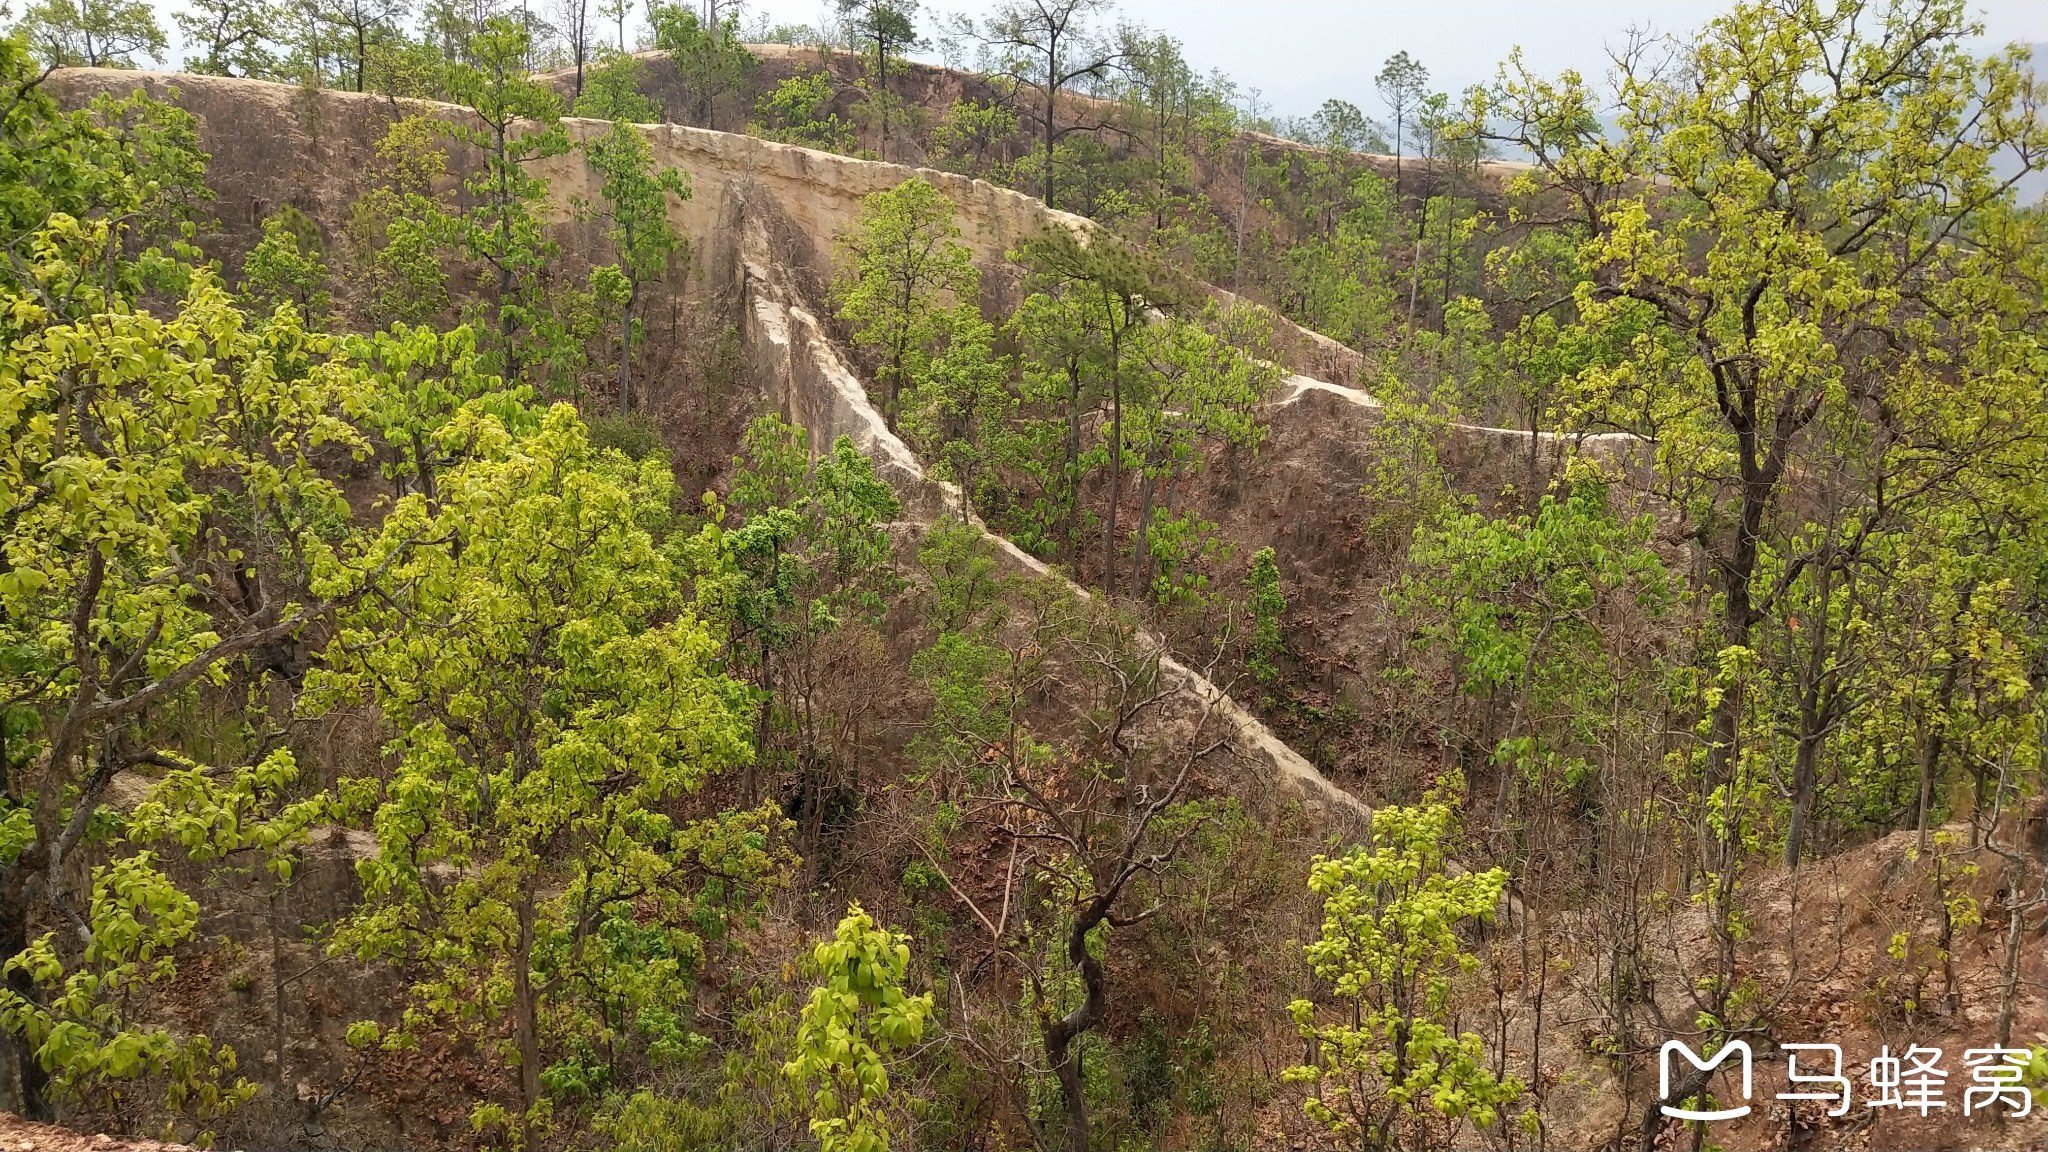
(1703, 1065)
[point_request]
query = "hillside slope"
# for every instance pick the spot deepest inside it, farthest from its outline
(764, 221)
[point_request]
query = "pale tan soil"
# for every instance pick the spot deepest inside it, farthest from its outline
(18, 1135)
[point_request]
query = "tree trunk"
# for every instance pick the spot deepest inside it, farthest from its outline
(1738, 613)
(505, 320)
(626, 353)
(814, 816)
(423, 464)
(1052, 88)
(526, 1017)
(1653, 1112)
(277, 982)
(1443, 303)
(1142, 549)
(1061, 1034)
(1070, 513)
(1399, 116)
(1930, 757)
(1414, 277)
(1533, 496)
(23, 1084)
(897, 355)
(2015, 927)
(579, 41)
(1805, 774)
(1116, 463)
(762, 720)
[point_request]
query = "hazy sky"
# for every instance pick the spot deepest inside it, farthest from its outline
(1302, 52)
(1299, 53)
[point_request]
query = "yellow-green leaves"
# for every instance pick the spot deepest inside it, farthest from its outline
(167, 515)
(859, 1017)
(210, 813)
(1390, 949)
(420, 379)
(123, 433)
(518, 122)
(799, 111)
(287, 265)
(1815, 206)
(78, 1026)
(551, 697)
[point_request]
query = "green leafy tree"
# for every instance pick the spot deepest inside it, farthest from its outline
(633, 196)
(810, 556)
(1099, 299)
(971, 138)
(398, 228)
(131, 167)
(902, 274)
(79, 1020)
(1812, 257)
(1339, 280)
(858, 1018)
(528, 867)
(617, 11)
(1529, 610)
(709, 59)
(1342, 126)
(1088, 814)
(1041, 47)
(966, 585)
(1407, 481)
(957, 417)
(92, 33)
(360, 28)
(166, 519)
(799, 111)
(400, 67)
(1402, 83)
(114, 613)
(891, 26)
(230, 37)
(423, 379)
(287, 266)
(1196, 389)
(1059, 383)
(612, 92)
(1391, 1073)
(519, 123)
(1169, 117)
(1266, 604)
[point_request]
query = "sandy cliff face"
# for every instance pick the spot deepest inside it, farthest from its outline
(763, 219)
(276, 144)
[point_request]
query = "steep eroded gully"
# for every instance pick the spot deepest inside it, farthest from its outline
(764, 217)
